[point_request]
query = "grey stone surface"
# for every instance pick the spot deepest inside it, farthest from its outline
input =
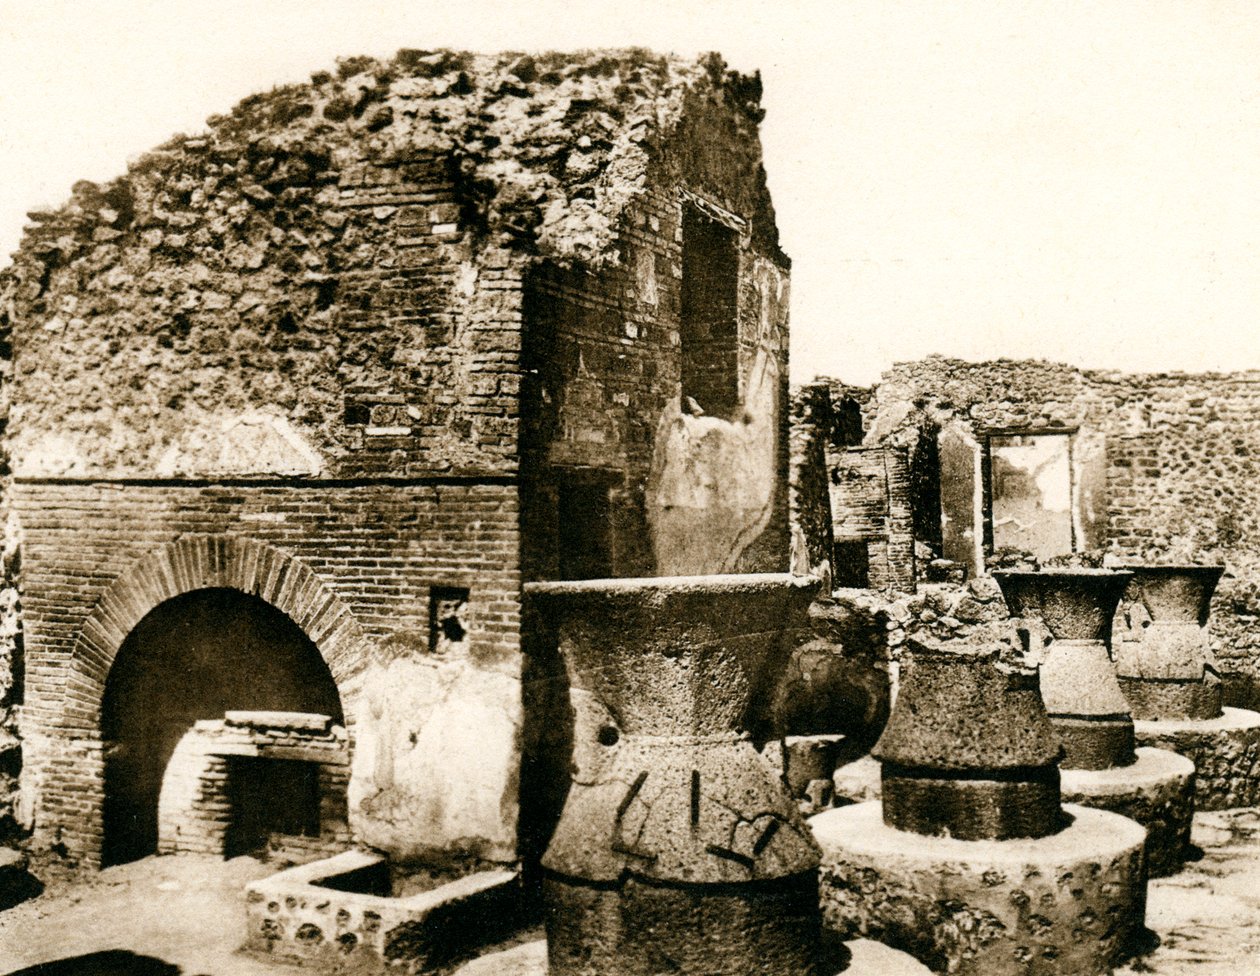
(968, 751)
(678, 849)
(1157, 791)
(1225, 752)
(863, 958)
(1163, 653)
(1069, 904)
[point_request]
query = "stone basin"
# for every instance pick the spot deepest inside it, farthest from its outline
(352, 909)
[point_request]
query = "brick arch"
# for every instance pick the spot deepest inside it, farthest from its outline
(197, 562)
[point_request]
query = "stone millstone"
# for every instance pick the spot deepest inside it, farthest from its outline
(1078, 680)
(678, 849)
(969, 751)
(1164, 658)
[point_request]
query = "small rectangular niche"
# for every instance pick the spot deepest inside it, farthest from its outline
(851, 567)
(448, 619)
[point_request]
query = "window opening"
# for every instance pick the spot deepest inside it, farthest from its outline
(708, 326)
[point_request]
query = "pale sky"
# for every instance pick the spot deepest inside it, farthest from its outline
(1071, 181)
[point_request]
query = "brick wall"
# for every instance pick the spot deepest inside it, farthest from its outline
(296, 341)
(603, 367)
(352, 564)
(195, 811)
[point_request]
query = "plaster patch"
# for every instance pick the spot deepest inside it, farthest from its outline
(711, 487)
(435, 760)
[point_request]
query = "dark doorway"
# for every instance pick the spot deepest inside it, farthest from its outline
(584, 516)
(270, 796)
(195, 657)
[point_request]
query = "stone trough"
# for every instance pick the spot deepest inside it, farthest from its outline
(353, 909)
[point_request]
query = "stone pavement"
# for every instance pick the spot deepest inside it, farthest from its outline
(1207, 917)
(186, 911)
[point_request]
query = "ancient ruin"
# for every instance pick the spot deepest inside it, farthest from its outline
(363, 357)
(406, 514)
(1164, 656)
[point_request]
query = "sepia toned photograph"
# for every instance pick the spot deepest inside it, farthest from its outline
(603, 489)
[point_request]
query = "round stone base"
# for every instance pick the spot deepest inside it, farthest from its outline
(1157, 791)
(1072, 903)
(1225, 752)
(638, 928)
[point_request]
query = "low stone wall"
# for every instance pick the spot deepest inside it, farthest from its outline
(342, 909)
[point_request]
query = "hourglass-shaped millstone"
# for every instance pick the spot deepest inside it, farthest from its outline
(1167, 669)
(969, 751)
(1078, 680)
(678, 849)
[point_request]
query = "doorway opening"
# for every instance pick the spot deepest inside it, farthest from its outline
(194, 657)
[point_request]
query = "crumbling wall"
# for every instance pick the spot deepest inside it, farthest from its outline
(690, 490)
(1165, 465)
(12, 657)
(326, 282)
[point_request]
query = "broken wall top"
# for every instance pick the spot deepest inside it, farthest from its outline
(327, 281)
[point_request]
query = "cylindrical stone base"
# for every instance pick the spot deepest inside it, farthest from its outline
(1094, 742)
(1189, 700)
(1157, 791)
(1071, 903)
(1022, 805)
(638, 928)
(1225, 752)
